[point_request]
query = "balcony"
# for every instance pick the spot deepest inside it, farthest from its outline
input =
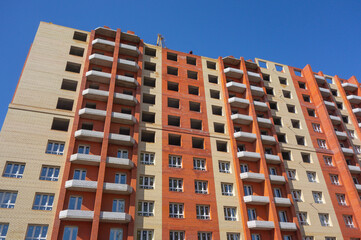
(85, 159)
(121, 139)
(123, 118)
(288, 226)
(256, 200)
(126, 49)
(282, 202)
(260, 225)
(81, 185)
(347, 151)
(341, 135)
(257, 91)
(248, 156)
(354, 99)
(103, 44)
(241, 119)
(125, 81)
(94, 114)
(354, 169)
(349, 86)
(236, 87)
(358, 187)
(335, 120)
(357, 111)
(245, 136)
(252, 177)
(95, 94)
(260, 106)
(276, 179)
(102, 60)
(122, 163)
(264, 122)
(359, 125)
(114, 217)
(128, 65)
(319, 79)
(268, 140)
(325, 92)
(254, 77)
(103, 77)
(273, 159)
(233, 72)
(125, 99)
(117, 188)
(89, 135)
(76, 215)
(330, 105)
(238, 102)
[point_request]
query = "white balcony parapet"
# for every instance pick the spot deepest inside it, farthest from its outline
(358, 187)
(238, 102)
(354, 169)
(91, 113)
(233, 72)
(260, 106)
(319, 79)
(103, 44)
(354, 99)
(89, 135)
(85, 159)
(254, 77)
(325, 92)
(81, 185)
(252, 177)
(273, 159)
(276, 179)
(330, 105)
(260, 225)
(76, 215)
(125, 99)
(101, 60)
(95, 94)
(256, 200)
(347, 151)
(264, 122)
(123, 118)
(288, 226)
(236, 87)
(257, 91)
(245, 136)
(126, 81)
(282, 202)
(349, 86)
(123, 163)
(126, 49)
(270, 140)
(335, 119)
(341, 135)
(98, 76)
(117, 188)
(121, 139)
(248, 156)
(128, 65)
(114, 217)
(357, 111)
(359, 125)
(241, 119)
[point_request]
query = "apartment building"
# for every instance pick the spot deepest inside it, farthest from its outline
(127, 140)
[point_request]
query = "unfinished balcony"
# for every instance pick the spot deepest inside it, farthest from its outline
(125, 99)
(76, 215)
(114, 217)
(94, 114)
(123, 118)
(320, 79)
(252, 177)
(241, 119)
(233, 72)
(117, 188)
(120, 139)
(330, 105)
(341, 135)
(248, 156)
(257, 91)
(260, 106)
(256, 200)
(103, 44)
(268, 140)
(127, 65)
(122, 163)
(89, 135)
(357, 111)
(264, 122)
(325, 92)
(282, 202)
(95, 94)
(254, 77)
(81, 185)
(245, 136)
(354, 99)
(272, 159)
(335, 120)
(125, 81)
(347, 151)
(102, 60)
(238, 102)
(349, 86)
(85, 159)
(236, 87)
(126, 49)
(260, 225)
(288, 226)
(276, 179)
(354, 169)
(97, 76)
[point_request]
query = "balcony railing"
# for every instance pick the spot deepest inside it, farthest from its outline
(288, 226)
(89, 135)
(252, 177)
(347, 151)
(354, 169)
(236, 87)
(260, 225)
(264, 122)
(325, 92)
(354, 99)
(245, 136)
(260, 106)
(349, 86)
(257, 91)
(282, 202)
(241, 119)
(330, 105)
(341, 135)
(238, 102)
(248, 156)
(94, 114)
(233, 72)
(125, 99)
(269, 140)
(276, 179)
(273, 159)
(121, 139)
(256, 200)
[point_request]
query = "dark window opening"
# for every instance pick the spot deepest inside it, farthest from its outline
(150, 51)
(172, 56)
(192, 75)
(69, 85)
(213, 79)
(194, 106)
(172, 71)
(73, 67)
(148, 136)
(76, 51)
(80, 36)
(173, 86)
(148, 98)
(148, 117)
(149, 66)
(173, 103)
(193, 90)
(60, 124)
(173, 121)
(149, 82)
(196, 124)
(211, 65)
(191, 61)
(218, 127)
(217, 110)
(197, 143)
(174, 139)
(65, 104)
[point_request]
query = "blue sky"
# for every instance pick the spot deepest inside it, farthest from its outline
(324, 34)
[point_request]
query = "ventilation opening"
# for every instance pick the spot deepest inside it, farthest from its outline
(148, 81)
(172, 71)
(193, 90)
(76, 51)
(172, 56)
(300, 140)
(211, 65)
(174, 139)
(291, 108)
(192, 75)
(213, 79)
(73, 67)
(219, 127)
(191, 61)
(65, 104)
(60, 124)
(69, 85)
(295, 123)
(91, 105)
(87, 126)
(173, 86)
(194, 106)
(286, 155)
(124, 131)
(150, 51)
(217, 110)
(80, 36)
(148, 98)
(215, 94)
(306, 158)
(281, 137)
(196, 124)
(197, 143)
(148, 136)
(173, 121)
(221, 146)
(148, 117)
(273, 105)
(173, 103)
(149, 66)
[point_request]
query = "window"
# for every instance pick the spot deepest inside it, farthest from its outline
(272, 171)
(296, 195)
(49, 173)
(324, 219)
(175, 161)
(306, 157)
(203, 212)
(76, 51)
(286, 155)
(352, 134)
(255, 236)
(279, 68)
(217, 110)
(80, 36)
(175, 184)
(283, 80)
(116, 234)
(291, 174)
(75, 202)
(221, 146)
(194, 106)
(69, 85)
(213, 79)
(191, 60)
(295, 123)
(56, 148)
(173, 121)
(316, 127)
(230, 213)
(300, 140)
(224, 167)
(37, 232)
(306, 98)
(345, 119)
(14, 170)
(122, 153)
(145, 235)
(150, 66)
(176, 235)
(248, 190)
(147, 158)
(192, 75)
(87, 126)
(330, 238)
(3, 230)
(339, 105)
(277, 192)
(251, 214)
(7, 199)
(211, 65)
(269, 91)
(307, 238)
(329, 80)
(120, 178)
(172, 56)
(73, 67)
(174, 139)
(173, 103)
(286, 94)
(145, 208)
(70, 233)
(243, 167)
(146, 182)
(273, 105)
(150, 51)
(317, 197)
(148, 136)
(79, 174)
(118, 205)
(334, 92)
(262, 65)
(322, 143)
(149, 82)
(328, 160)
(60, 124)
(201, 187)
(218, 127)
(287, 237)
(281, 137)
(215, 94)
(311, 176)
(148, 117)
(199, 164)
(302, 85)
(348, 221)
(173, 86)
(176, 210)
(204, 236)
(334, 179)
(311, 112)
(43, 202)
(358, 149)
(341, 199)
(148, 98)
(197, 143)
(227, 189)
(233, 236)
(83, 149)
(291, 108)
(283, 216)
(196, 124)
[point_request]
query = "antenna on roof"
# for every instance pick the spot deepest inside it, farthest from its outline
(161, 41)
